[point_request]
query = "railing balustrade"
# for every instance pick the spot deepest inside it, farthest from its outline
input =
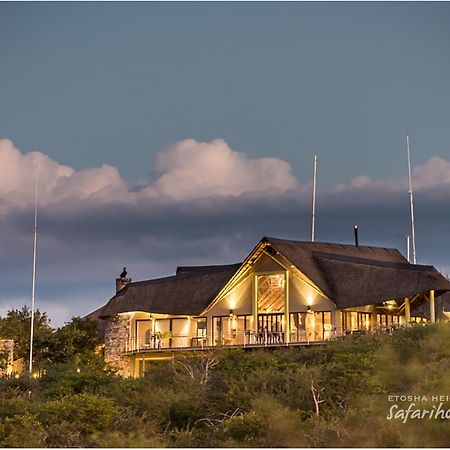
(244, 338)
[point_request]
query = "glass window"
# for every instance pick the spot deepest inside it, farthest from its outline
(201, 327)
(144, 333)
(350, 321)
(322, 326)
(221, 330)
(382, 320)
(364, 321)
(271, 293)
(298, 327)
(180, 332)
(232, 330)
(327, 327)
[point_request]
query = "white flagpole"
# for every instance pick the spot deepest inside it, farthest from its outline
(313, 225)
(411, 203)
(407, 248)
(33, 287)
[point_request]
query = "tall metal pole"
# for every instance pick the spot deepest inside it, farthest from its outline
(313, 225)
(407, 248)
(411, 203)
(33, 286)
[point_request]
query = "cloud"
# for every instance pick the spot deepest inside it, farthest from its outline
(191, 169)
(207, 204)
(56, 182)
(435, 172)
(185, 171)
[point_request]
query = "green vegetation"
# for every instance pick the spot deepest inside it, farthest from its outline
(334, 395)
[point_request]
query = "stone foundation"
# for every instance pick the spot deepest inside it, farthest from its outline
(117, 335)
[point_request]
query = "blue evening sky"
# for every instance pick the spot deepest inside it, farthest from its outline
(94, 83)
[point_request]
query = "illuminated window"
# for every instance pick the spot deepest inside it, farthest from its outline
(232, 330)
(271, 293)
(350, 321)
(363, 321)
(143, 333)
(201, 328)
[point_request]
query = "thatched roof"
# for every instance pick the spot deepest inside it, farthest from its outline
(357, 275)
(349, 275)
(187, 293)
(95, 316)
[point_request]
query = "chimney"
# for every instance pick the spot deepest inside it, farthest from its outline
(122, 281)
(356, 235)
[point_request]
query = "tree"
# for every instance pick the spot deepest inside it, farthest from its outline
(76, 341)
(17, 326)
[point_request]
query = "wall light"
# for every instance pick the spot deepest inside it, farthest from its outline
(232, 302)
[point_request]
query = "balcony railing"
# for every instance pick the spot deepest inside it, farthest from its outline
(247, 338)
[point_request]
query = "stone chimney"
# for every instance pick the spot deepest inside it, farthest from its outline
(122, 281)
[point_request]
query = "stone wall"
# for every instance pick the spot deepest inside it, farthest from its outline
(117, 336)
(7, 349)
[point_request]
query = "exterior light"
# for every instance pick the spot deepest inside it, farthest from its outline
(309, 309)
(78, 370)
(231, 313)
(16, 375)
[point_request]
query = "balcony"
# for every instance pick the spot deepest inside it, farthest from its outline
(246, 339)
(237, 339)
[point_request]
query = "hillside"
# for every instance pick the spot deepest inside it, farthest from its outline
(337, 395)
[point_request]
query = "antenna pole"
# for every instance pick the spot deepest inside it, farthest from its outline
(407, 248)
(411, 203)
(33, 286)
(313, 225)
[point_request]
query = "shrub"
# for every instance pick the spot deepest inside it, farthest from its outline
(23, 430)
(87, 412)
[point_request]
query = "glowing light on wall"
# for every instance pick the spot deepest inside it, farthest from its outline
(310, 299)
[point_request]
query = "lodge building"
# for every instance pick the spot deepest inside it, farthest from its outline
(284, 293)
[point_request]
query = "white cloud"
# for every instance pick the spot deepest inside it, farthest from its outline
(56, 181)
(191, 169)
(185, 171)
(435, 172)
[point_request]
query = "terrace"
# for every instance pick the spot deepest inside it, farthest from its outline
(247, 339)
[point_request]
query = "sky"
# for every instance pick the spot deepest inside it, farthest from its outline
(181, 133)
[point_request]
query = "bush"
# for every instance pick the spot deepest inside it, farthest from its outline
(250, 398)
(87, 412)
(22, 430)
(247, 427)
(71, 378)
